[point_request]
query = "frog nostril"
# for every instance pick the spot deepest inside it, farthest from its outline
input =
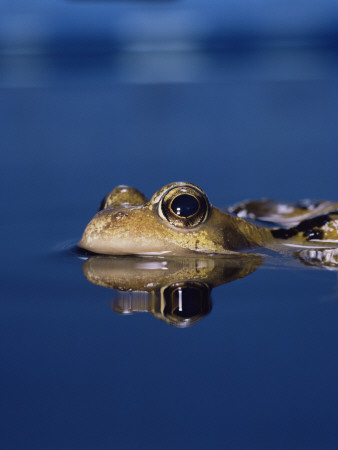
(120, 215)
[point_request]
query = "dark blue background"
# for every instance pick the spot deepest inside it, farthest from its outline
(239, 99)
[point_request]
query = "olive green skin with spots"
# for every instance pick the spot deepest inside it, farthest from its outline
(129, 224)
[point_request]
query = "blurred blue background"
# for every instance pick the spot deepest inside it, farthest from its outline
(240, 98)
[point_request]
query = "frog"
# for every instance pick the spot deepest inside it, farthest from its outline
(179, 220)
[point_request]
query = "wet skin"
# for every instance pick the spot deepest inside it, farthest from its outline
(179, 220)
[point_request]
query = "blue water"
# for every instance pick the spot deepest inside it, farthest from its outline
(241, 121)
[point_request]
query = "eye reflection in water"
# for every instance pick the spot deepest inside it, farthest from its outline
(175, 290)
(180, 304)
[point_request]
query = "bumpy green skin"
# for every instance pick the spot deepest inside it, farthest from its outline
(306, 223)
(129, 224)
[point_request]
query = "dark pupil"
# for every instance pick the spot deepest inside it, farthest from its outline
(190, 304)
(185, 205)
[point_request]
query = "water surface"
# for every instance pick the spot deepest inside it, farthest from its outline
(260, 370)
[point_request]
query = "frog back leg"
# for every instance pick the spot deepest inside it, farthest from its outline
(301, 223)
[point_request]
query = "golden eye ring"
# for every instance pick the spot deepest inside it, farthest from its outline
(184, 206)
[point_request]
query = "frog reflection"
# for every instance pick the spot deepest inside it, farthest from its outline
(179, 304)
(322, 258)
(179, 220)
(175, 290)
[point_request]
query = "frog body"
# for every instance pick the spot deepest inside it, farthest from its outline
(179, 220)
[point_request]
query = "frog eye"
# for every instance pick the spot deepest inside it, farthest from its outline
(184, 206)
